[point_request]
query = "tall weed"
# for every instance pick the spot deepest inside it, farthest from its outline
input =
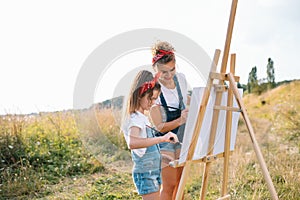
(40, 150)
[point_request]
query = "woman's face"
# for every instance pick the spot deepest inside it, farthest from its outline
(146, 102)
(167, 70)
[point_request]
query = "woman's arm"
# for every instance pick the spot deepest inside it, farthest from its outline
(156, 117)
(188, 101)
(136, 142)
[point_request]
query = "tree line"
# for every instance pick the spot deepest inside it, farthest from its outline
(258, 86)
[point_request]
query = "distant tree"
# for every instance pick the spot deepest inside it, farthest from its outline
(252, 79)
(243, 86)
(270, 73)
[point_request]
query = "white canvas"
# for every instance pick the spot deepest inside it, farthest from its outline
(203, 140)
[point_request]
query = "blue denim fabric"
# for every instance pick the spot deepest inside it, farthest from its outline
(172, 115)
(147, 169)
(166, 146)
(147, 182)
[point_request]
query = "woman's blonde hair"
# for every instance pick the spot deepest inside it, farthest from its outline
(163, 45)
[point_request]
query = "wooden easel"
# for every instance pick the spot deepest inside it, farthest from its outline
(232, 91)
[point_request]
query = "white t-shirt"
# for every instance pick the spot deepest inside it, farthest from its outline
(171, 95)
(139, 120)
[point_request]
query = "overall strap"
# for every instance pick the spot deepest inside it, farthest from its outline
(151, 134)
(181, 104)
(163, 101)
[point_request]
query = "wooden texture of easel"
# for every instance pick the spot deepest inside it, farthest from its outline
(222, 76)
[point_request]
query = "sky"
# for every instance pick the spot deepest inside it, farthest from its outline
(43, 44)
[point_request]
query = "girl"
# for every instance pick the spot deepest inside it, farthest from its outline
(172, 100)
(140, 136)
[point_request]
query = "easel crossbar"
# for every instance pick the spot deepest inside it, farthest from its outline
(222, 76)
(220, 88)
(227, 108)
(205, 159)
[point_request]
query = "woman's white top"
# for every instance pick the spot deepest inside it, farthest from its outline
(171, 95)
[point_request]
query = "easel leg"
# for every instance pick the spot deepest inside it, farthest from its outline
(210, 149)
(183, 180)
(205, 180)
(259, 155)
(200, 117)
(228, 130)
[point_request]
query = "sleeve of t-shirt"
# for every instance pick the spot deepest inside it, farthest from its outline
(136, 121)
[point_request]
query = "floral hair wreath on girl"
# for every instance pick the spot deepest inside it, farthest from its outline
(161, 53)
(149, 84)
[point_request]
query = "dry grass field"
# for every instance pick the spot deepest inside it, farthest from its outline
(83, 155)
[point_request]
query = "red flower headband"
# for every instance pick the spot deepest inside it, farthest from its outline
(161, 54)
(149, 85)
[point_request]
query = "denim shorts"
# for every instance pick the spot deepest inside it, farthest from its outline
(147, 182)
(166, 146)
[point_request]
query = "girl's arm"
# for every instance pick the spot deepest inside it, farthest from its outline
(136, 142)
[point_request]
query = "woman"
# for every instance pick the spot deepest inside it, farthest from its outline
(140, 136)
(172, 100)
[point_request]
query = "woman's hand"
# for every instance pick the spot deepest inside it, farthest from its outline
(183, 117)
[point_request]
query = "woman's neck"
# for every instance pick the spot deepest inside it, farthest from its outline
(170, 84)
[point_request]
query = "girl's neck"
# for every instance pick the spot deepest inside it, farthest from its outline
(141, 110)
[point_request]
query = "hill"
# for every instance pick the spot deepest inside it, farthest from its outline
(279, 108)
(115, 103)
(269, 102)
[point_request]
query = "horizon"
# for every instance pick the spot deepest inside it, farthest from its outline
(101, 102)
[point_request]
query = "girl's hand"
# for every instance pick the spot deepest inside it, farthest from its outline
(170, 137)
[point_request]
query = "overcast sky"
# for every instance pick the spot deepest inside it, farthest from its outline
(43, 44)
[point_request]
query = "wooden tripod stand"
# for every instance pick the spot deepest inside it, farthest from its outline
(221, 76)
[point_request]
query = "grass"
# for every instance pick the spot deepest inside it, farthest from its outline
(37, 151)
(83, 155)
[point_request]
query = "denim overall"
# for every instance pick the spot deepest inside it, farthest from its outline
(172, 115)
(150, 160)
(147, 169)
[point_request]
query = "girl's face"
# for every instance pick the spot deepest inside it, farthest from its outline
(146, 102)
(167, 70)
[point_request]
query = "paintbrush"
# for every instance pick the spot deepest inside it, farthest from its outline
(158, 133)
